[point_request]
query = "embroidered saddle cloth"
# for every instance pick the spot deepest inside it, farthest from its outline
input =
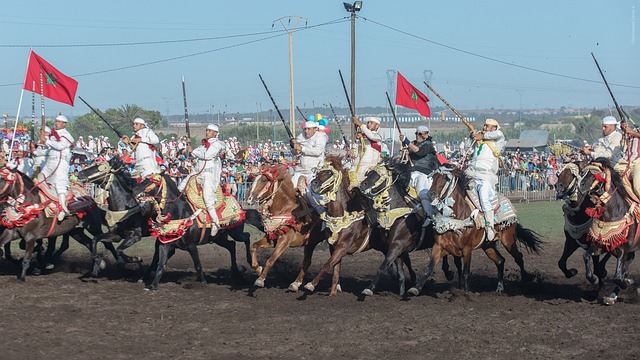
(504, 212)
(78, 199)
(230, 212)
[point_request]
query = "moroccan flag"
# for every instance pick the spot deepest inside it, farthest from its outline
(408, 96)
(57, 86)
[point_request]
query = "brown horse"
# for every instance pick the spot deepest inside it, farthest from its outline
(577, 223)
(280, 208)
(451, 185)
(344, 217)
(615, 217)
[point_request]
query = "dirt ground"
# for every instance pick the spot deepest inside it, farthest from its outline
(62, 315)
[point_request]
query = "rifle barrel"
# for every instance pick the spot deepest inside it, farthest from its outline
(277, 109)
(467, 123)
(118, 133)
(186, 112)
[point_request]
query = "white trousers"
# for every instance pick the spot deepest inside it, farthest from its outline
(422, 183)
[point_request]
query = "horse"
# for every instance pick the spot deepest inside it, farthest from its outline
(615, 220)
(287, 221)
(173, 204)
(577, 223)
(456, 237)
(35, 226)
(385, 189)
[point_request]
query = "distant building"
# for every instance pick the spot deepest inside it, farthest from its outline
(530, 140)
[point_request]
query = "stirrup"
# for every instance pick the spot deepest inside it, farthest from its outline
(61, 215)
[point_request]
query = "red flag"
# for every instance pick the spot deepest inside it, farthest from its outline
(408, 96)
(57, 86)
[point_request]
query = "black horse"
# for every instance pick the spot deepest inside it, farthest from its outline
(385, 189)
(577, 223)
(14, 184)
(177, 207)
(615, 228)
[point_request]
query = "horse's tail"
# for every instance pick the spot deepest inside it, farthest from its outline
(529, 238)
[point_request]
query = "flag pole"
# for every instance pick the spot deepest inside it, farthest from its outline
(15, 126)
(43, 122)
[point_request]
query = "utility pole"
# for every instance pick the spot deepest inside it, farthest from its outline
(520, 93)
(167, 114)
(353, 8)
(290, 30)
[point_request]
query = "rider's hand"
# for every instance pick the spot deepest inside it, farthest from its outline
(401, 137)
(477, 135)
(355, 121)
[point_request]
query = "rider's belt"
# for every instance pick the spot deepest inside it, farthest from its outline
(145, 158)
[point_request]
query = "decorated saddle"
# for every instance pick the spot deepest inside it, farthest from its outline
(504, 212)
(19, 212)
(229, 211)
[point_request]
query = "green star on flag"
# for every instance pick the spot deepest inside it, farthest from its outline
(51, 79)
(408, 96)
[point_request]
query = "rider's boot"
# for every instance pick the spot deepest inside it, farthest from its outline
(489, 225)
(214, 220)
(62, 199)
(429, 212)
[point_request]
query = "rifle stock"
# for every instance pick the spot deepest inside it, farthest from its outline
(118, 133)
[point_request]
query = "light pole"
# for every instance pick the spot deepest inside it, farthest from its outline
(290, 30)
(353, 8)
(167, 113)
(520, 93)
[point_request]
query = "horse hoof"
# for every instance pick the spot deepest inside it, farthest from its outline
(609, 300)
(149, 288)
(49, 266)
(310, 287)
(413, 292)
(259, 283)
(592, 279)
(339, 288)
(295, 286)
(571, 273)
(103, 264)
(629, 281)
(367, 292)
(259, 270)
(136, 259)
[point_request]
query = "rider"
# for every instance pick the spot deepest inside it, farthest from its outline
(609, 145)
(310, 146)
(371, 155)
(425, 160)
(56, 167)
(207, 171)
(144, 142)
(483, 168)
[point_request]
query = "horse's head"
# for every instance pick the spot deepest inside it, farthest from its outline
(266, 184)
(96, 173)
(327, 179)
(443, 183)
(376, 180)
(593, 181)
(568, 179)
(10, 182)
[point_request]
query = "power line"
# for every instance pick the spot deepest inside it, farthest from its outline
(490, 58)
(280, 33)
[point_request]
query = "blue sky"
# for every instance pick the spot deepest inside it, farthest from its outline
(467, 45)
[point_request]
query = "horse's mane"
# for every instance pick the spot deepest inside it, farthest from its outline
(335, 161)
(616, 179)
(463, 179)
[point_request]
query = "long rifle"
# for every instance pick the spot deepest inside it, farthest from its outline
(469, 126)
(304, 118)
(344, 137)
(120, 136)
(186, 112)
(395, 120)
(618, 108)
(286, 127)
(346, 94)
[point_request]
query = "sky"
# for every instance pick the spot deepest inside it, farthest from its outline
(490, 54)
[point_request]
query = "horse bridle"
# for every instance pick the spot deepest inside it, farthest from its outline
(274, 184)
(452, 181)
(10, 179)
(571, 188)
(329, 188)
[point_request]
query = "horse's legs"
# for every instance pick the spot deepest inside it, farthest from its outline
(508, 239)
(407, 261)
(224, 242)
(162, 250)
(281, 245)
(26, 260)
(339, 251)
(238, 234)
(193, 251)
(621, 267)
(306, 261)
(401, 279)
(131, 237)
(146, 277)
(64, 245)
(263, 243)
(335, 279)
(494, 255)
(436, 255)
(570, 246)
(395, 249)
